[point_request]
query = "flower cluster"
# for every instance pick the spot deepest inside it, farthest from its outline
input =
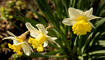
(39, 38)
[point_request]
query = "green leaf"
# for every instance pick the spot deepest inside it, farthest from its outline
(84, 4)
(102, 42)
(92, 41)
(40, 18)
(24, 20)
(100, 22)
(100, 7)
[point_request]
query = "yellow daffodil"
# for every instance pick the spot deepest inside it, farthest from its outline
(19, 43)
(80, 20)
(40, 38)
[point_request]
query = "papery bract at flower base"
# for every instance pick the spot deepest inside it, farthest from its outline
(75, 18)
(19, 43)
(40, 38)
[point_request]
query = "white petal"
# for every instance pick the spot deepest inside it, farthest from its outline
(33, 31)
(45, 44)
(68, 22)
(89, 12)
(42, 28)
(17, 43)
(93, 17)
(27, 49)
(10, 33)
(73, 13)
(51, 39)
(92, 25)
(12, 38)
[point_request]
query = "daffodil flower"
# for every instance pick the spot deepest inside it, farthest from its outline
(80, 20)
(19, 43)
(40, 38)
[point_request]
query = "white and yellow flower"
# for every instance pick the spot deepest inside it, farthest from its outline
(80, 20)
(40, 38)
(19, 43)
